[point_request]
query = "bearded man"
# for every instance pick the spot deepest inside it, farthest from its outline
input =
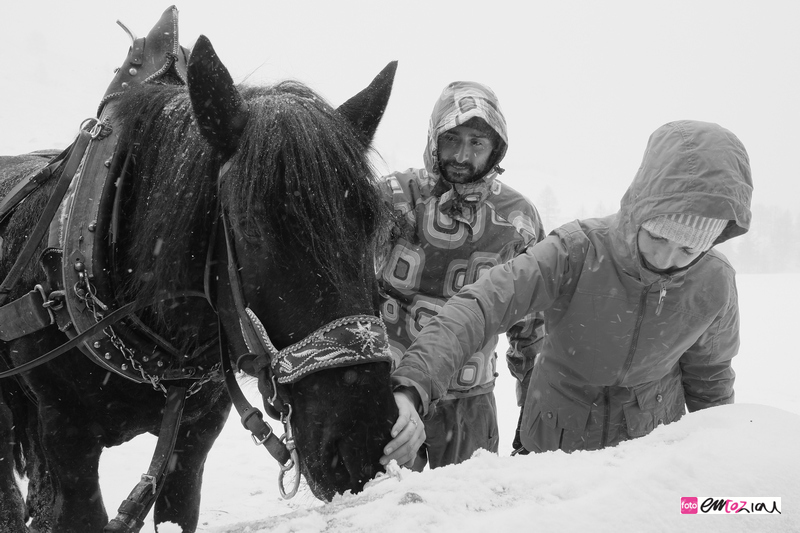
(454, 220)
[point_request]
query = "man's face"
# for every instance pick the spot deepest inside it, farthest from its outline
(464, 153)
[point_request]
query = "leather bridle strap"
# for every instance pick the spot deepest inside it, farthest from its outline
(251, 337)
(32, 243)
(111, 318)
(133, 510)
(251, 417)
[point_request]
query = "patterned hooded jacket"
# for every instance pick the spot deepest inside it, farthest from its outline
(626, 349)
(446, 237)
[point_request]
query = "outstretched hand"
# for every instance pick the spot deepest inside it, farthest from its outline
(408, 433)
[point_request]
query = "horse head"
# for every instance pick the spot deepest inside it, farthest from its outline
(299, 218)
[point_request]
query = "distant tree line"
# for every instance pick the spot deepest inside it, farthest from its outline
(771, 246)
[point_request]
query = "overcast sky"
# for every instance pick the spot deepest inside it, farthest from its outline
(582, 83)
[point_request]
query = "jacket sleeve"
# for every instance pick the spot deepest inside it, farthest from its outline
(525, 341)
(706, 367)
(525, 338)
(499, 299)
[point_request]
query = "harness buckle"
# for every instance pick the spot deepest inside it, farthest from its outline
(259, 442)
(256, 427)
(150, 480)
(54, 301)
(47, 303)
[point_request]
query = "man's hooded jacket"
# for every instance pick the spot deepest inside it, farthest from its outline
(447, 235)
(626, 349)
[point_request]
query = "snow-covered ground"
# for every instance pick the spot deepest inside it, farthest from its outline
(747, 450)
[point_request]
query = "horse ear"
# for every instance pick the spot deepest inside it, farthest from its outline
(365, 110)
(218, 107)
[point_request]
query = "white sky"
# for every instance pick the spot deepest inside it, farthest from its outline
(582, 83)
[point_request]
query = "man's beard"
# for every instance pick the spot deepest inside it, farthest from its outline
(455, 172)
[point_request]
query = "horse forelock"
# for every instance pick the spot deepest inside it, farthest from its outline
(171, 203)
(300, 180)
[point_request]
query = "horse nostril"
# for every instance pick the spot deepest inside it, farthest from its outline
(350, 377)
(367, 472)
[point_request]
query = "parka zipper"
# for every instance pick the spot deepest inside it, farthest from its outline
(661, 297)
(635, 339)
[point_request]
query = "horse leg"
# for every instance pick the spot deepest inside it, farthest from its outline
(28, 458)
(12, 506)
(41, 494)
(179, 500)
(39, 501)
(72, 449)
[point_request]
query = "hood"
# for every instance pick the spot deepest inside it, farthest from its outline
(689, 167)
(459, 102)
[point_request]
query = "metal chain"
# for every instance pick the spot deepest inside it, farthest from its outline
(86, 293)
(197, 385)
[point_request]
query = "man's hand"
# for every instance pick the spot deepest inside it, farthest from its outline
(408, 433)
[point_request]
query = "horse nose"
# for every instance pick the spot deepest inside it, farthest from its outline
(352, 467)
(367, 472)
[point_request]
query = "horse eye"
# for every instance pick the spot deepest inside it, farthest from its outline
(350, 377)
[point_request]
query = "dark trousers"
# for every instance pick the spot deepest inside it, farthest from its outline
(456, 429)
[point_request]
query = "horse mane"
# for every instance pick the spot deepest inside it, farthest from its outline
(300, 180)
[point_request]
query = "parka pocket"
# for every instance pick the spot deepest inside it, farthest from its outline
(556, 428)
(638, 422)
(658, 402)
(568, 416)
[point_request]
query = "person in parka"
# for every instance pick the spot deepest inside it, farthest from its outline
(454, 220)
(641, 313)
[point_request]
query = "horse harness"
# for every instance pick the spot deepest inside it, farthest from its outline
(76, 293)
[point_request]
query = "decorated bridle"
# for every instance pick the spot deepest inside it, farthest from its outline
(345, 341)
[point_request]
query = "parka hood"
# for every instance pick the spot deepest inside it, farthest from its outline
(694, 168)
(459, 102)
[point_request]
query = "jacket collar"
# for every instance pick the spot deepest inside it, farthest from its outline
(461, 200)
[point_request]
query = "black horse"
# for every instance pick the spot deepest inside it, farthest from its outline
(283, 180)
